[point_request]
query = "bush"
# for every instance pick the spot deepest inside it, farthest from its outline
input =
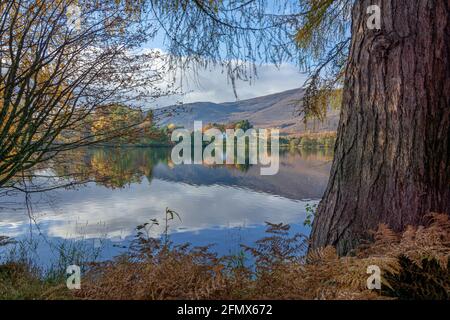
(411, 281)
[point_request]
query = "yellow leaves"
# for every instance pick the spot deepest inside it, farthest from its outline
(99, 124)
(314, 18)
(48, 6)
(119, 121)
(317, 104)
(335, 99)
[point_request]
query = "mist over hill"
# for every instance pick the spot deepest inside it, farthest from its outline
(270, 111)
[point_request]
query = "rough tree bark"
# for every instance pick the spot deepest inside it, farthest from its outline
(392, 155)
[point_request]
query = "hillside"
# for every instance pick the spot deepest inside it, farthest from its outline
(271, 111)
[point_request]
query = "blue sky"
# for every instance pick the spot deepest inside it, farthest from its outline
(213, 85)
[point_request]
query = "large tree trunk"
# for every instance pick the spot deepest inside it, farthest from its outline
(392, 155)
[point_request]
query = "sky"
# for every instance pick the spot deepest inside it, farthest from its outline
(213, 85)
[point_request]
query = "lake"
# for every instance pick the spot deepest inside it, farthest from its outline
(222, 205)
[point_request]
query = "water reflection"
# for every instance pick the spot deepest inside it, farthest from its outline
(134, 185)
(302, 174)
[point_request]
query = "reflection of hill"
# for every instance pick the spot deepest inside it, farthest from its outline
(298, 177)
(302, 175)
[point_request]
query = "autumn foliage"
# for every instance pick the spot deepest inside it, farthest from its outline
(157, 270)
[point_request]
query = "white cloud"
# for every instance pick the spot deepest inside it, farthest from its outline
(213, 85)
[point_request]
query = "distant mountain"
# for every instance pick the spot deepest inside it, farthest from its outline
(271, 111)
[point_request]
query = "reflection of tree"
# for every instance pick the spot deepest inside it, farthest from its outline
(114, 168)
(316, 154)
(111, 167)
(119, 167)
(241, 167)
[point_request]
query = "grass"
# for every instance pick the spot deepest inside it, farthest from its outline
(158, 269)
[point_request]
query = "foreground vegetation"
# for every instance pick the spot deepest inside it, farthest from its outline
(414, 265)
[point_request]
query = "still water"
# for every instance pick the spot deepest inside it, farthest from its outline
(223, 205)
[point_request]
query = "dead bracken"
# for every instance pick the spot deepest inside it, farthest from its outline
(156, 269)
